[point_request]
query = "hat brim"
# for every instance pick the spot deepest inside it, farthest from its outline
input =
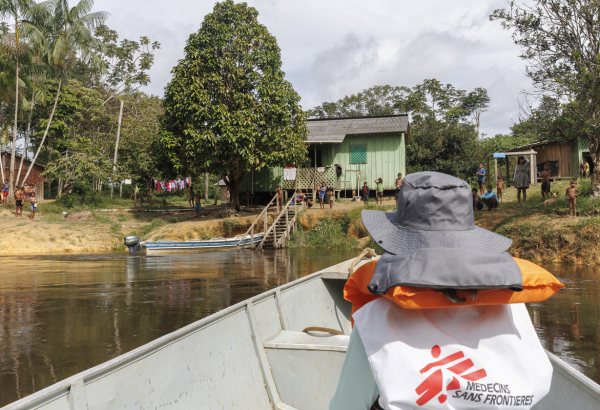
(393, 237)
(446, 268)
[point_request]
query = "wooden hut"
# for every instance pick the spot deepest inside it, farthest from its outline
(565, 157)
(35, 177)
(343, 153)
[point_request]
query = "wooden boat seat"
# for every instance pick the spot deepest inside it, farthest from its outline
(308, 341)
(312, 360)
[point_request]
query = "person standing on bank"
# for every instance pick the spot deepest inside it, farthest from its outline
(481, 178)
(545, 175)
(398, 186)
(322, 193)
(379, 191)
(586, 169)
(279, 193)
(521, 179)
(442, 312)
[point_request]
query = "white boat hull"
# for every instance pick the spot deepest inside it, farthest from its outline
(252, 355)
(160, 247)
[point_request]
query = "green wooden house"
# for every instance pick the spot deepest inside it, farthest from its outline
(366, 148)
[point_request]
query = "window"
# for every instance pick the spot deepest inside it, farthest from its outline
(358, 154)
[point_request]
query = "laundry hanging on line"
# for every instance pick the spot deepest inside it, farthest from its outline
(289, 174)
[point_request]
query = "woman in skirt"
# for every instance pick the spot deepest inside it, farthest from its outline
(521, 179)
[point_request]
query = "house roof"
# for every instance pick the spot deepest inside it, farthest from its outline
(536, 144)
(334, 130)
(27, 162)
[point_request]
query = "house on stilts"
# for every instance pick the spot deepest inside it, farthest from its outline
(343, 153)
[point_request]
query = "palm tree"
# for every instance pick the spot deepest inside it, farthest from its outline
(15, 10)
(67, 34)
(34, 79)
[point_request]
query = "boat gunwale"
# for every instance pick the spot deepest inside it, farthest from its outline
(576, 377)
(61, 388)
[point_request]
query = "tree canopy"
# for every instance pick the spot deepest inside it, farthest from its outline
(228, 107)
(559, 41)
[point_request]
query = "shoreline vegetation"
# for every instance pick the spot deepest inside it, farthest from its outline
(542, 233)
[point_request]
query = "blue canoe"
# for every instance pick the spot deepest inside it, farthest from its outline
(160, 246)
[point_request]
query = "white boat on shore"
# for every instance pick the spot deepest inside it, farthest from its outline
(252, 355)
(164, 246)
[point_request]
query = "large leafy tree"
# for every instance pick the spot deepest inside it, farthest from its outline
(228, 107)
(559, 40)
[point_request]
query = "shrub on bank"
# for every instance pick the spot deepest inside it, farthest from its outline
(337, 233)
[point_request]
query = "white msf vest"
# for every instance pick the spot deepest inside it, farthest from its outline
(469, 357)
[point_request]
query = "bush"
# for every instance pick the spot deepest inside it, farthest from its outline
(329, 234)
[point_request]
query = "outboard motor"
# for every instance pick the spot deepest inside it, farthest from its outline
(133, 243)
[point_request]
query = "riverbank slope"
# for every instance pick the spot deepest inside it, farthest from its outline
(542, 233)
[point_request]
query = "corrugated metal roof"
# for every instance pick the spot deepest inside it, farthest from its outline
(334, 130)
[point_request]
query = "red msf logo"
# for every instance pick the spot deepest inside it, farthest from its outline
(433, 385)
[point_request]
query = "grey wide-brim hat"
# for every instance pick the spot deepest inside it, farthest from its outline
(435, 210)
(432, 234)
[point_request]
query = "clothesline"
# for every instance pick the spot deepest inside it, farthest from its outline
(171, 185)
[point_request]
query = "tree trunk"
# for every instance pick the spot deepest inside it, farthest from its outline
(233, 183)
(47, 128)
(121, 190)
(206, 187)
(112, 186)
(14, 143)
(217, 189)
(1, 165)
(595, 154)
(60, 185)
(26, 140)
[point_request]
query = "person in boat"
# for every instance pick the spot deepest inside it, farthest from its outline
(437, 322)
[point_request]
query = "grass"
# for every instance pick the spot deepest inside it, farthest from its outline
(329, 233)
(155, 224)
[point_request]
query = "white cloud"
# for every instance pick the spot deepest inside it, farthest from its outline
(332, 48)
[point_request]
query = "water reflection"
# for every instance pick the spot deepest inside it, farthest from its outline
(568, 324)
(61, 315)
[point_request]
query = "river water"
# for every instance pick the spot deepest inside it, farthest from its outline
(60, 315)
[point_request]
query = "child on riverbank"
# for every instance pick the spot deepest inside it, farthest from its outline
(490, 199)
(379, 191)
(5, 189)
(571, 194)
(545, 175)
(191, 193)
(32, 205)
(398, 186)
(500, 188)
(198, 207)
(19, 201)
(364, 193)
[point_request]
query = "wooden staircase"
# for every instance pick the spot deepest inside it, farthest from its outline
(277, 234)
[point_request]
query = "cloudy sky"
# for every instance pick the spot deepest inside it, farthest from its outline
(333, 48)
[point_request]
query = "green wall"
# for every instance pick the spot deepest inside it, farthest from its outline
(386, 156)
(579, 147)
